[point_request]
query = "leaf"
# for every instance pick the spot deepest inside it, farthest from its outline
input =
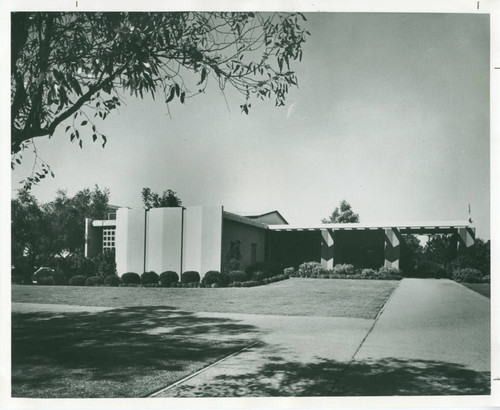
(84, 122)
(72, 136)
(67, 128)
(177, 89)
(105, 140)
(80, 143)
(171, 95)
(94, 137)
(183, 95)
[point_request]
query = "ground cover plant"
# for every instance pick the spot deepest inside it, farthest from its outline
(342, 271)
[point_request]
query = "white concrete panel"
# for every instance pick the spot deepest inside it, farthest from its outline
(211, 239)
(129, 241)
(191, 259)
(164, 240)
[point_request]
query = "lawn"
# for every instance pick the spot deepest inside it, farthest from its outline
(148, 338)
(481, 288)
(295, 297)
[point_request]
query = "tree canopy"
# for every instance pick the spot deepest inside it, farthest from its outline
(342, 214)
(168, 198)
(72, 68)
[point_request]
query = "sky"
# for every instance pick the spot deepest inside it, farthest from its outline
(391, 114)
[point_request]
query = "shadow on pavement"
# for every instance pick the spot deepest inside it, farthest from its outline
(127, 352)
(388, 377)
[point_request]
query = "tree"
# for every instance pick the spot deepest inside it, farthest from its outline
(344, 214)
(411, 253)
(153, 200)
(27, 224)
(65, 218)
(72, 67)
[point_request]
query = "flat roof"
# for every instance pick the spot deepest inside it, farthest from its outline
(404, 227)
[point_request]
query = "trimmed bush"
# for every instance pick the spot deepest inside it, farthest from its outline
(149, 278)
(386, 270)
(368, 273)
(190, 276)
(112, 280)
(310, 270)
(223, 279)
(94, 281)
(131, 278)
(258, 276)
(468, 275)
(77, 280)
(344, 269)
(168, 278)
(212, 276)
(289, 271)
(237, 276)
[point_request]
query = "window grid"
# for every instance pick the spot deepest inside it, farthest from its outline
(108, 238)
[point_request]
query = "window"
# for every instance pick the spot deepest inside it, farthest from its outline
(108, 238)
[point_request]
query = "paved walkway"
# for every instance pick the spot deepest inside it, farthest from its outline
(432, 337)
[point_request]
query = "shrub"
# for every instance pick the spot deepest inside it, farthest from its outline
(368, 273)
(104, 263)
(387, 270)
(112, 280)
(168, 278)
(131, 278)
(212, 276)
(17, 279)
(223, 279)
(468, 275)
(77, 280)
(237, 276)
(249, 284)
(344, 269)
(94, 281)
(258, 276)
(310, 269)
(190, 276)
(289, 271)
(149, 278)
(429, 269)
(46, 281)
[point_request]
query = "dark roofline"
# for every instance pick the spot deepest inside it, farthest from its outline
(267, 213)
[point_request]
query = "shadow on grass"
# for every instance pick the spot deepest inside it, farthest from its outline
(387, 377)
(127, 352)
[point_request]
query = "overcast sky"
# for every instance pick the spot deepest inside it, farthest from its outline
(391, 114)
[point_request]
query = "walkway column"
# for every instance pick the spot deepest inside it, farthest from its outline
(392, 248)
(466, 237)
(327, 248)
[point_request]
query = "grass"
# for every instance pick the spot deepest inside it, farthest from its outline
(126, 352)
(481, 288)
(152, 337)
(295, 297)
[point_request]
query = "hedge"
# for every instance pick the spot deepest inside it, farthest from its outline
(150, 278)
(190, 276)
(77, 280)
(168, 278)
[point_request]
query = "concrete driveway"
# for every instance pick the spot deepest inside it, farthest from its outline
(431, 338)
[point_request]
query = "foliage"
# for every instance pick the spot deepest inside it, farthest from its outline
(43, 273)
(368, 273)
(72, 67)
(310, 270)
(150, 278)
(411, 253)
(440, 249)
(344, 269)
(476, 257)
(429, 269)
(131, 278)
(168, 278)
(60, 278)
(190, 276)
(469, 275)
(94, 281)
(77, 280)
(237, 276)
(212, 276)
(389, 271)
(258, 276)
(27, 224)
(105, 264)
(153, 200)
(112, 280)
(344, 214)
(289, 271)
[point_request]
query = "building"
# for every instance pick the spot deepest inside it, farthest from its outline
(203, 238)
